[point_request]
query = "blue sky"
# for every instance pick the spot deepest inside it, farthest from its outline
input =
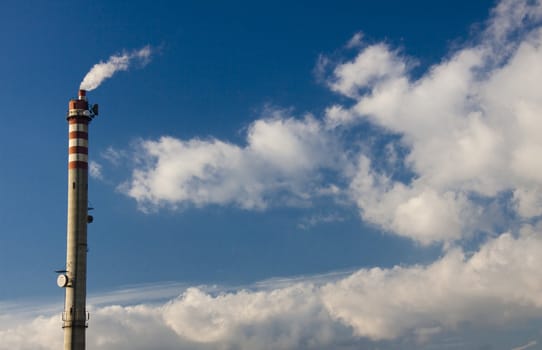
(346, 175)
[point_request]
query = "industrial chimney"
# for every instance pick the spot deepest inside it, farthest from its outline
(74, 278)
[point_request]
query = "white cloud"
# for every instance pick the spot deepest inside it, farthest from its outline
(281, 156)
(511, 16)
(40, 333)
(406, 307)
(528, 201)
(527, 346)
(416, 211)
(373, 65)
(469, 126)
(314, 220)
(355, 41)
(338, 115)
(279, 319)
(95, 170)
(495, 285)
(114, 156)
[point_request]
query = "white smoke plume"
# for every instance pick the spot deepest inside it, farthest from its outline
(121, 62)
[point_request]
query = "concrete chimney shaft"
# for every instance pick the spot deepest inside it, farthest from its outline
(75, 316)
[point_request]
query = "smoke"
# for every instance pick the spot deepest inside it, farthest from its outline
(103, 70)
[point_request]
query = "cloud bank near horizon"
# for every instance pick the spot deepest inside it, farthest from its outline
(415, 306)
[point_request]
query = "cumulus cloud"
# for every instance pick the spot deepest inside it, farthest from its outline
(511, 16)
(447, 290)
(469, 127)
(405, 306)
(280, 152)
(416, 210)
(375, 64)
(470, 124)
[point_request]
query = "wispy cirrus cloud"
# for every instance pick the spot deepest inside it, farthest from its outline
(313, 220)
(527, 346)
(95, 170)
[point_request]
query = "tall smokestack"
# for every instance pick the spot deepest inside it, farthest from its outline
(74, 278)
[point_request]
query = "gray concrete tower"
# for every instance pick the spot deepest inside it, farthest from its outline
(74, 278)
